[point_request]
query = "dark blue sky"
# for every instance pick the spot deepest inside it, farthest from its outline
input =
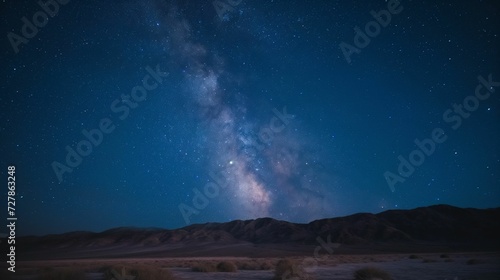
(203, 111)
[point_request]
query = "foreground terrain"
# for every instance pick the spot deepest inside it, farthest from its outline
(455, 266)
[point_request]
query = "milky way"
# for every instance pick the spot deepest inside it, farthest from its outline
(261, 166)
(260, 95)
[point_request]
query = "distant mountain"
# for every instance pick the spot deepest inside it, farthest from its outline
(444, 226)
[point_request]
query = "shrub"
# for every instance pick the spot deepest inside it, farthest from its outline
(370, 273)
(226, 266)
(414, 257)
(141, 272)
(248, 265)
(444, 256)
(288, 269)
(204, 267)
(254, 265)
(266, 266)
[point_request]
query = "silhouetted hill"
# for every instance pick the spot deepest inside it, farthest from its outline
(440, 225)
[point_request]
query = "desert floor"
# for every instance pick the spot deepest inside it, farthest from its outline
(455, 266)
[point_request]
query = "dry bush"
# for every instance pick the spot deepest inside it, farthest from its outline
(141, 272)
(289, 269)
(414, 257)
(255, 264)
(226, 266)
(61, 274)
(371, 273)
(248, 265)
(266, 265)
(444, 256)
(204, 267)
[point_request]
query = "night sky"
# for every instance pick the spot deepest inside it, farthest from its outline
(166, 113)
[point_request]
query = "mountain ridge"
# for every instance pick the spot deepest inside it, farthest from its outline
(436, 225)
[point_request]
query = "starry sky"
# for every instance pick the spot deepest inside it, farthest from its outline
(163, 113)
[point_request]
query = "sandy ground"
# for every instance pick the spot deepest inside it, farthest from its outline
(399, 268)
(341, 267)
